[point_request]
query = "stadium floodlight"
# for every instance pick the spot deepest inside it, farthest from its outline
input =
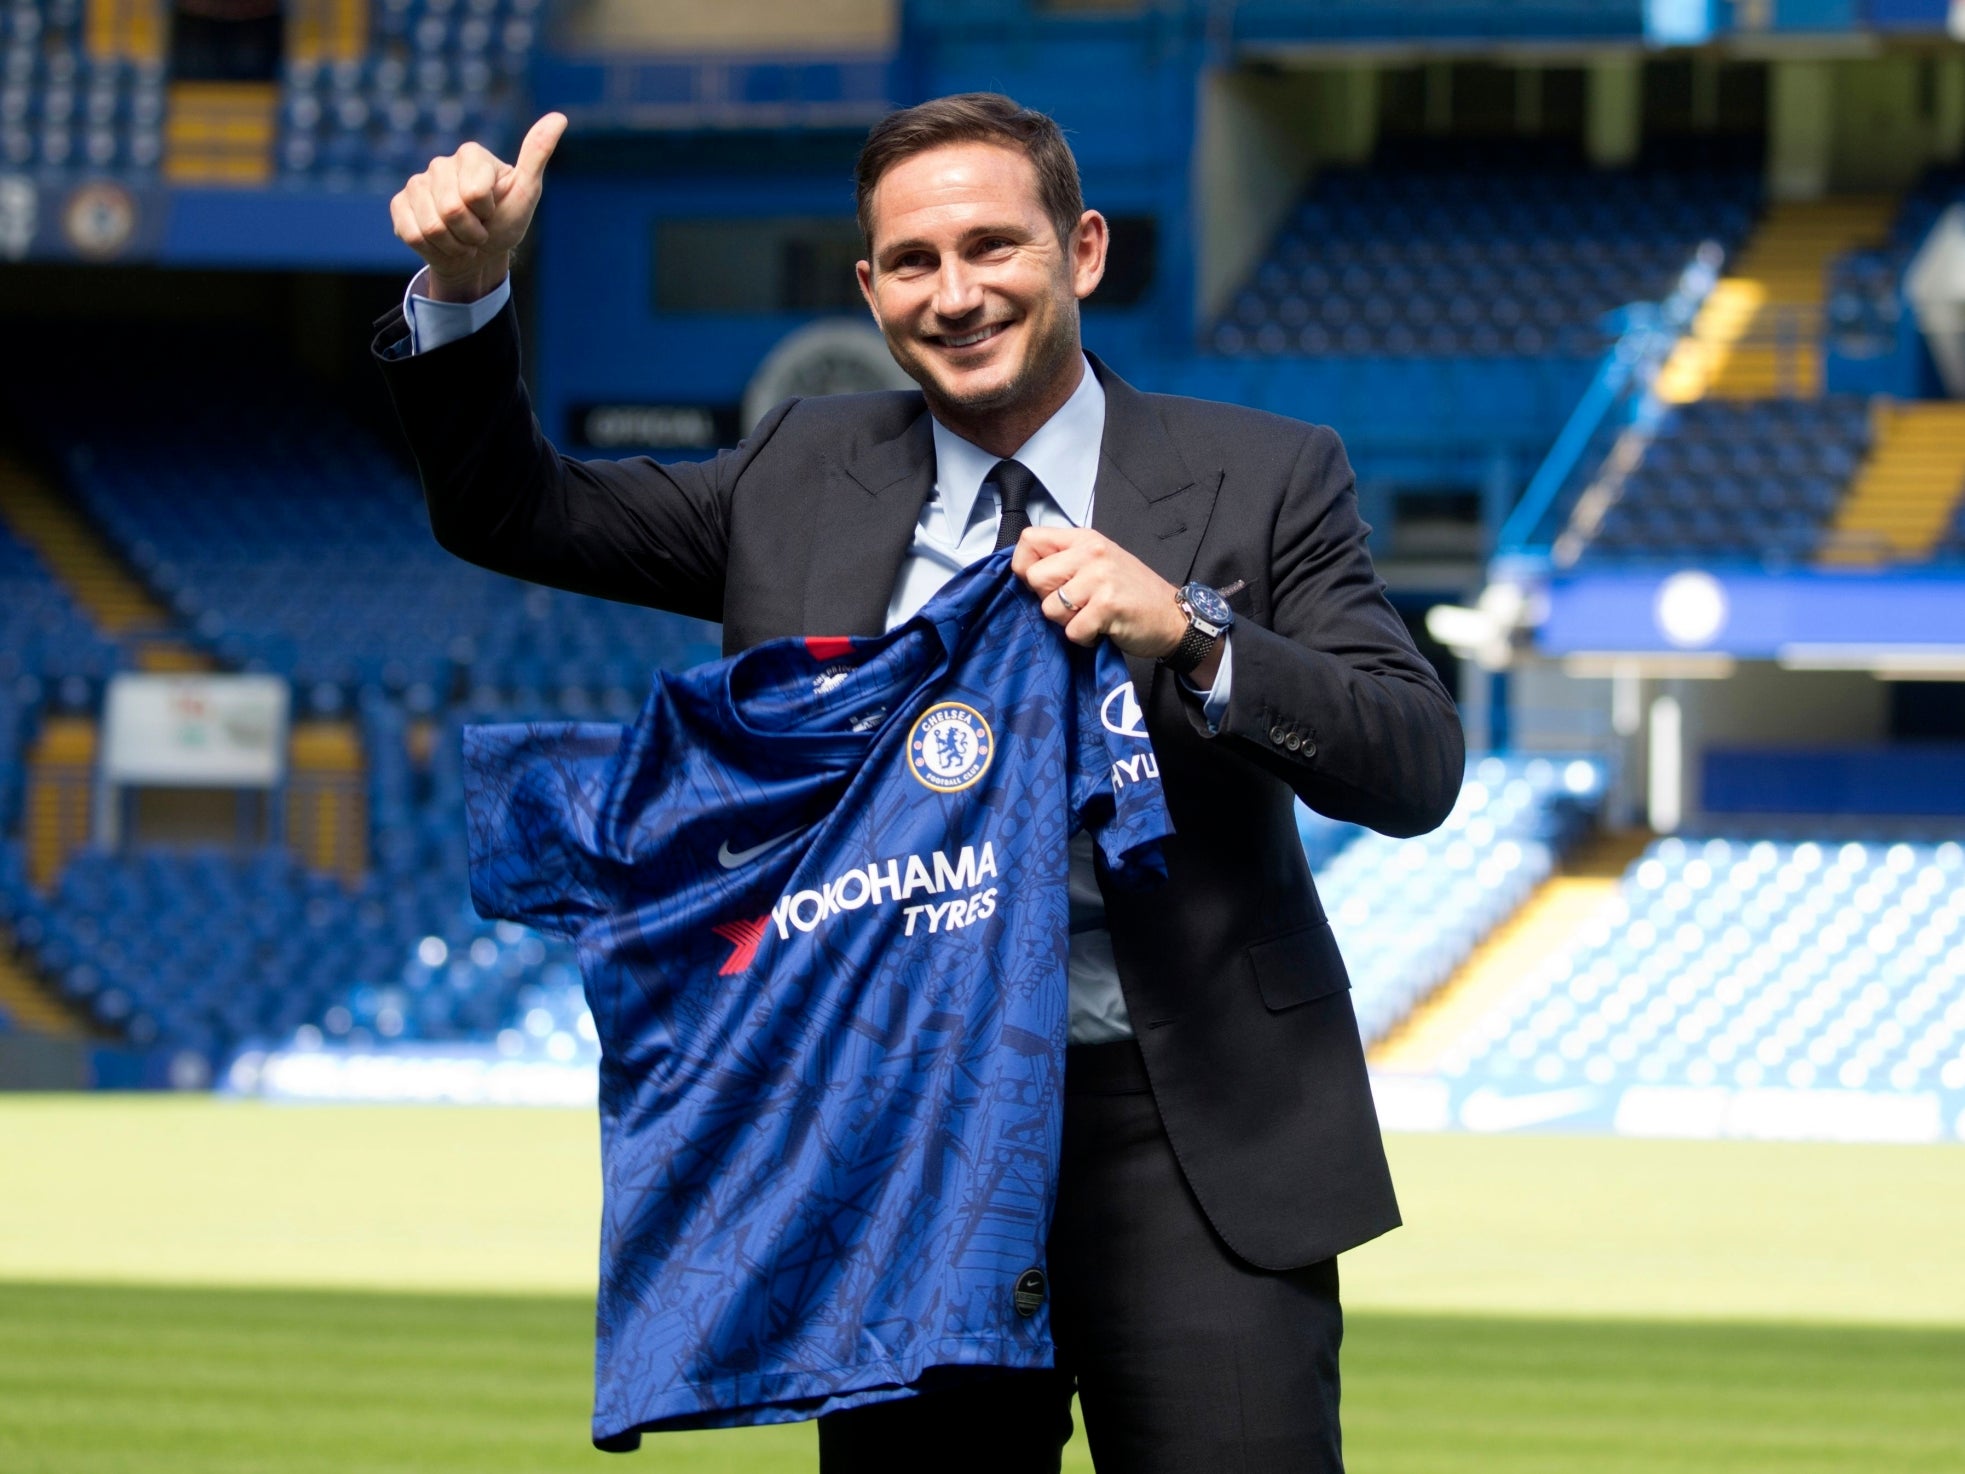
(1485, 634)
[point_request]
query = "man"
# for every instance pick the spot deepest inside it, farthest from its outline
(1220, 1147)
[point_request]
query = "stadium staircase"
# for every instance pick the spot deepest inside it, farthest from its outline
(1579, 891)
(60, 795)
(130, 29)
(327, 30)
(1907, 493)
(1759, 333)
(221, 133)
(29, 1006)
(91, 570)
(327, 799)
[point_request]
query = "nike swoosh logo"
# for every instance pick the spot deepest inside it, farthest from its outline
(730, 859)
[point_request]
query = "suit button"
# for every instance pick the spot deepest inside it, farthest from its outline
(1309, 748)
(1292, 742)
(1276, 735)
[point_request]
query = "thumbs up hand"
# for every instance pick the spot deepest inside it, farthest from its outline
(465, 213)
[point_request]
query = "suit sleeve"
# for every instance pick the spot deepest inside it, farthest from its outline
(502, 497)
(1333, 697)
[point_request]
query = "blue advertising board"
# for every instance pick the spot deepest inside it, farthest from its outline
(88, 220)
(1753, 614)
(102, 221)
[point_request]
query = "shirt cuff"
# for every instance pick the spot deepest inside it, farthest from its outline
(1214, 700)
(433, 324)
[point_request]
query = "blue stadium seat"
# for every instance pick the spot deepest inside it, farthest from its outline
(1408, 912)
(42, 631)
(1749, 480)
(1746, 963)
(1517, 255)
(434, 76)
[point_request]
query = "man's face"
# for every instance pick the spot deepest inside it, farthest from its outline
(975, 293)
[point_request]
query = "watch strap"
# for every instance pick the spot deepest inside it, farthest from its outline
(1193, 648)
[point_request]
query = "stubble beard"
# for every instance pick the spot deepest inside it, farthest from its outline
(1042, 365)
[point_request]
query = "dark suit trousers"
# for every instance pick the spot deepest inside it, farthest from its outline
(1185, 1359)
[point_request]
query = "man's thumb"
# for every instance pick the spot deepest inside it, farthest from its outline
(538, 147)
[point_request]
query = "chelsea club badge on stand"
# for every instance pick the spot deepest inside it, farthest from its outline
(950, 747)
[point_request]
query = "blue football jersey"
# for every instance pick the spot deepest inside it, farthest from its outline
(819, 895)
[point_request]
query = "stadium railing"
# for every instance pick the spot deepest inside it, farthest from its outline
(1620, 402)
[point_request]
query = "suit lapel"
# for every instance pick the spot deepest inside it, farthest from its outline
(1147, 499)
(866, 520)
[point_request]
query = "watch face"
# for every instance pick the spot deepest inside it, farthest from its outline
(1209, 605)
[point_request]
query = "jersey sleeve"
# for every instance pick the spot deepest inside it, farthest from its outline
(1115, 777)
(532, 798)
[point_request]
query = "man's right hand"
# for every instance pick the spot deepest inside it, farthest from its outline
(466, 212)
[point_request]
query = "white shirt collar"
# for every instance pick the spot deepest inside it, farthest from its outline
(1063, 454)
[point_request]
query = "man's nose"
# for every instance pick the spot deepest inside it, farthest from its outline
(957, 291)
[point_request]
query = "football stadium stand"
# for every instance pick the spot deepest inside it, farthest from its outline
(1724, 479)
(43, 631)
(71, 104)
(285, 538)
(1748, 964)
(1499, 250)
(203, 952)
(1901, 505)
(1407, 912)
(13, 724)
(357, 105)
(435, 73)
(1732, 454)
(1759, 334)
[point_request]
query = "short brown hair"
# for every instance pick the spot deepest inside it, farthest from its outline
(972, 117)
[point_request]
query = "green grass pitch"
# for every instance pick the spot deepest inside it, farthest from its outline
(130, 1380)
(229, 1288)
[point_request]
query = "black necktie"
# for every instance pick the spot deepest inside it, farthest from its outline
(1014, 484)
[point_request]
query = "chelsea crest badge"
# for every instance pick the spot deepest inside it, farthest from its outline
(950, 747)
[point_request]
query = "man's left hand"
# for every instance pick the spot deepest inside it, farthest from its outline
(1092, 587)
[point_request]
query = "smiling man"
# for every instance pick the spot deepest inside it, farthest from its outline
(1220, 1147)
(975, 278)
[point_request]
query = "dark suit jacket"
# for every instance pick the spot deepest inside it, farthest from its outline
(1233, 981)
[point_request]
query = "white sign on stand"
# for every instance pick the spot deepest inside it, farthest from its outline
(195, 731)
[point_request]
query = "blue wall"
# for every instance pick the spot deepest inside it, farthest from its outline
(1761, 615)
(1896, 780)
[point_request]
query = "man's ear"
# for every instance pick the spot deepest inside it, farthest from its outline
(863, 273)
(1088, 245)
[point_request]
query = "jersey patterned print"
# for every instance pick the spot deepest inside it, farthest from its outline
(819, 896)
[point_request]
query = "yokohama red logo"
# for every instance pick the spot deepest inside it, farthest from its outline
(743, 937)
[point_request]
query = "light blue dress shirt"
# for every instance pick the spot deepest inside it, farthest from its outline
(957, 526)
(433, 324)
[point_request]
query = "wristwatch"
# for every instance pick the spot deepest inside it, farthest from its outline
(1208, 619)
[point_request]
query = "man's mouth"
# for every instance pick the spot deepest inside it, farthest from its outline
(968, 340)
